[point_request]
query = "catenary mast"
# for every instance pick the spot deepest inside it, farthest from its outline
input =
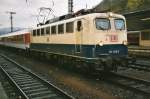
(70, 6)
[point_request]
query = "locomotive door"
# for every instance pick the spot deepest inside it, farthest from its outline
(79, 30)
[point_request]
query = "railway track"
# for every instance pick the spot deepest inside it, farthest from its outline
(140, 66)
(134, 84)
(28, 84)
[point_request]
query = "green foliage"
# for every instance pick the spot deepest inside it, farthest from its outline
(134, 4)
(123, 5)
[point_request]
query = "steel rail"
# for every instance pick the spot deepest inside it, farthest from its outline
(134, 84)
(12, 81)
(139, 66)
(28, 75)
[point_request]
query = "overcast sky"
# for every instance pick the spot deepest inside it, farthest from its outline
(26, 12)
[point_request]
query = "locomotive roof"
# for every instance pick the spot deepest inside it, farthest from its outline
(82, 16)
(25, 31)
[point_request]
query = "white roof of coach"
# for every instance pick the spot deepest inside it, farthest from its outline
(25, 31)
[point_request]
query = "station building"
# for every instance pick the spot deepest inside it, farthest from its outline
(138, 24)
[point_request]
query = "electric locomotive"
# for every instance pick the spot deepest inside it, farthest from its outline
(99, 38)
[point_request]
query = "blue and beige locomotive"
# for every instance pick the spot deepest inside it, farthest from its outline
(93, 38)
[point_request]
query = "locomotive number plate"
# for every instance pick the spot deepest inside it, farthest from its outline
(113, 51)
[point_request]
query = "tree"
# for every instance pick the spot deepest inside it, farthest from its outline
(134, 4)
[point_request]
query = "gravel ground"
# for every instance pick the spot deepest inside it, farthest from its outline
(79, 86)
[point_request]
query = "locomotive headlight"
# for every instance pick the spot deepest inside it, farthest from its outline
(110, 14)
(125, 43)
(101, 43)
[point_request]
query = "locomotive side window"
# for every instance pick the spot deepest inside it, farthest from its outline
(69, 27)
(79, 25)
(38, 32)
(47, 30)
(42, 31)
(61, 29)
(53, 30)
(34, 33)
(102, 23)
(119, 24)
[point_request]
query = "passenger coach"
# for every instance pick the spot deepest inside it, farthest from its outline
(18, 39)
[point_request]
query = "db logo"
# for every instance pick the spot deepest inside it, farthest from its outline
(113, 38)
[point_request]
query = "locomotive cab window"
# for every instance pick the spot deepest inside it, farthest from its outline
(61, 29)
(119, 24)
(42, 31)
(34, 33)
(79, 25)
(102, 23)
(53, 30)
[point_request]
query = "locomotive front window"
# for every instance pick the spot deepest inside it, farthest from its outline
(119, 24)
(102, 24)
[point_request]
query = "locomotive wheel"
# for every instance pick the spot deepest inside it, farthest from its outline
(124, 62)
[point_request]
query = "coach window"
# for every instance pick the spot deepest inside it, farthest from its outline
(47, 30)
(42, 31)
(34, 33)
(79, 25)
(38, 32)
(53, 30)
(61, 29)
(69, 27)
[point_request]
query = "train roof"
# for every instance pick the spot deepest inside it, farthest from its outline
(81, 12)
(80, 17)
(25, 31)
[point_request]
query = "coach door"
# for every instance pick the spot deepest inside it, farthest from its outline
(79, 30)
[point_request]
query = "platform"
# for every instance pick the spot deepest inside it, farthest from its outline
(139, 47)
(139, 51)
